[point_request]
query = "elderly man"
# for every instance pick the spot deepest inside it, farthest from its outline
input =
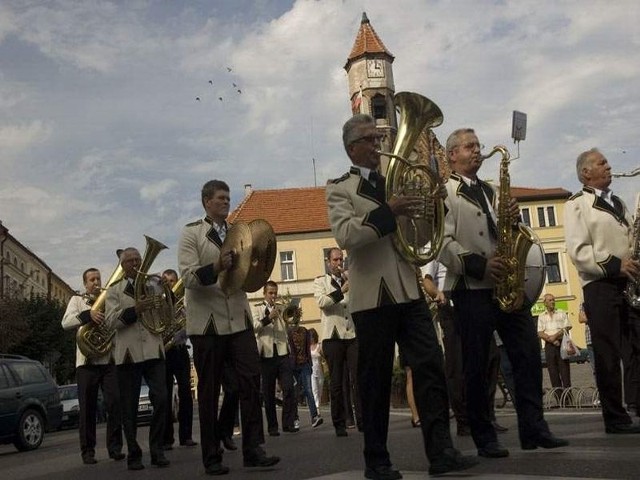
(387, 306)
(473, 268)
(599, 237)
(339, 343)
(94, 373)
(138, 353)
(220, 328)
(552, 325)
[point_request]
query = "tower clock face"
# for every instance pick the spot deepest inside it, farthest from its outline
(375, 68)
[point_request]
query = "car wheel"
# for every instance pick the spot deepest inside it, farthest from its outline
(30, 431)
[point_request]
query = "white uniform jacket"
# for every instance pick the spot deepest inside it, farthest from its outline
(273, 335)
(76, 315)
(362, 224)
(334, 309)
(210, 311)
(134, 343)
(598, 235)
(467, 243)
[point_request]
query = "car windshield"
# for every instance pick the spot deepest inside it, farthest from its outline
(68, 393)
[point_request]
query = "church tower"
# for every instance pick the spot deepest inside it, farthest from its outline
(370, 76)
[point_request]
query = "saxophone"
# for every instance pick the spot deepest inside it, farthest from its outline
(179, 317)
(514, 242)
(632, 292)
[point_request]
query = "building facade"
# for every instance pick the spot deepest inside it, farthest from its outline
(25, 275)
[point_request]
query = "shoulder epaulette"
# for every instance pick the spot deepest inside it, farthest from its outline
(193, 224)
(338, 180)
(575, 195)
(257, 304)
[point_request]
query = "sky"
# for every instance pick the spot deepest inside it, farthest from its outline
(103, 140)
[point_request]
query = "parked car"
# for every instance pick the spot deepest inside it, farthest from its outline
(145, 409)
(70, 405)
(29, 402)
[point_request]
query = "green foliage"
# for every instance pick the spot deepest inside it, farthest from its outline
(38, 334)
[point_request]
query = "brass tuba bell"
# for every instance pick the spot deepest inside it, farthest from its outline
(418, 237)
(158, 314)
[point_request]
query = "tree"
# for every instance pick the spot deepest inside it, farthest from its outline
(13, 324)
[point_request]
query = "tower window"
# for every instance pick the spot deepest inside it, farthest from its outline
(379, 106)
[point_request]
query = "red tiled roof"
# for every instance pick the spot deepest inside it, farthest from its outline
(524, 193)
(367, 41)
(291, 210)
(304, 210)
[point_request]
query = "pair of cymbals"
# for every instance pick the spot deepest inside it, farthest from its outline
(254, 246)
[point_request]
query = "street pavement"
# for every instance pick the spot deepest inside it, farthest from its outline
(318, 454)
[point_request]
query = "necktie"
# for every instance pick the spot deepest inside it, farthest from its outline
(482, 200)
(373, 178)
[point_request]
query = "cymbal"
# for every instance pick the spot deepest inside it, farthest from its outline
(263, 255)
(238, 239)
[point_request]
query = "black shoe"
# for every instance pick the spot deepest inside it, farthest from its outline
(545, 441)
(341, 432)
(89, 460)
(317, 421)
(188, 443)
(135, 464)
(229, 444)
(274, 433)
(290, 429)
(216, 469)
(167, 446)
(260, 460)
(382, 472)
(499, 428)
(622, 428)
(160, 461)
(117, 456)
(493, 450)
(451, 461)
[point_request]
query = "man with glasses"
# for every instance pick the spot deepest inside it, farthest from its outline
(387, 306)
(468, 251)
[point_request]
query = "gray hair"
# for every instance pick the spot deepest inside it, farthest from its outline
(584, 161)
(454, 139)
(351, 128)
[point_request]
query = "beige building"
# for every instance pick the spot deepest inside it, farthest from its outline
(24, 275)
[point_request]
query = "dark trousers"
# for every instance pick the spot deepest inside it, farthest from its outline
(408, 324)
(278, 367)
(341, 354)
(559, 369)
(209, 355)
(178, 365)
(228, 415)
(614, 333)
(129, 379)
(454, 371)
(478, 315)
(90, 378)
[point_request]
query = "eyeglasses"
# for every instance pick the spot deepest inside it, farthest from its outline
(369, 138)
(472, 146)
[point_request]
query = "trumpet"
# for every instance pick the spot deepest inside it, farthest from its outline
(289, 310)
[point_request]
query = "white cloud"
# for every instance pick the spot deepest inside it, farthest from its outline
(103, 139)
(19, 137)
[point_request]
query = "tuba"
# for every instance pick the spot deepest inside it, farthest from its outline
(418, 237)
(179, 317)
(514, 244)
(157, 312)
(96, 339)
(289, 309)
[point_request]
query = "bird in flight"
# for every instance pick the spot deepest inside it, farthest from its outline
(229, 69)
(220, 98)
(239, 91)
(210, 82)
(198, 98)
